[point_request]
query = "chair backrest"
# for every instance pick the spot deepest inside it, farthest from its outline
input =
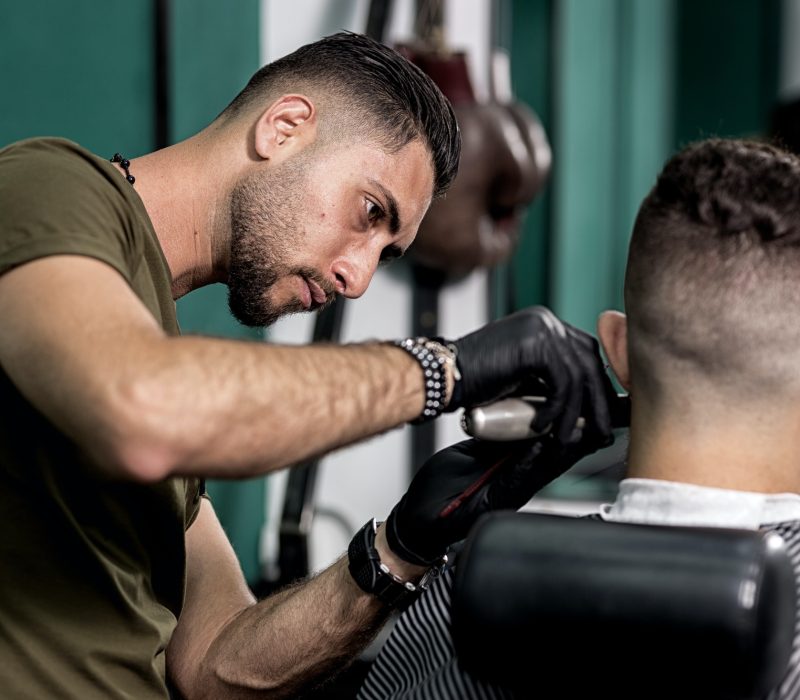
(570, 606)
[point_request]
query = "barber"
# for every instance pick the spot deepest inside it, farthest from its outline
(116, 577)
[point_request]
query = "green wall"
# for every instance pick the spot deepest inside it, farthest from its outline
(531, 48)
(620, 85)
(81, 70)
(612, 113)
(727, 69)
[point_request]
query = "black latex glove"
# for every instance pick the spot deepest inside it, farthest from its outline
(462, 482)
(498, 359)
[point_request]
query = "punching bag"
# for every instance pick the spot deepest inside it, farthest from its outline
(505, 161)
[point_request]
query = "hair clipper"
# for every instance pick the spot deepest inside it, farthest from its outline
(512, 418)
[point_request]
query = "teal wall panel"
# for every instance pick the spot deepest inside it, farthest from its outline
(81, 69)
(613, 128)
(215, 50)
(727, 67)
(585, 158)
(531, 74)
(645, 104)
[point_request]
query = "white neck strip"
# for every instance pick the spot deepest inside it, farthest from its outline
(657, 502)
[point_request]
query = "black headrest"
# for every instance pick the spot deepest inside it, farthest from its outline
(574, 605)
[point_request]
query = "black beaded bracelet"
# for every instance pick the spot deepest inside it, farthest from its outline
(433, 370)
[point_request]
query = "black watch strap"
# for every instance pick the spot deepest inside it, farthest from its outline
(374, 577)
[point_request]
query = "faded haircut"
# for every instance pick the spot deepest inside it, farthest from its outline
(712, 286)
(386, 98)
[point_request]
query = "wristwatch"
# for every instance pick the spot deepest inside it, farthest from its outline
(374, 577)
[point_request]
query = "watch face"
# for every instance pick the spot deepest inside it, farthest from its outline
(365, 567)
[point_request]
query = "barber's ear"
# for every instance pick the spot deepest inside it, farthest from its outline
(612, 329)
(288, 125)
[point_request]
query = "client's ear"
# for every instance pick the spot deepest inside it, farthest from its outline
(612, 329)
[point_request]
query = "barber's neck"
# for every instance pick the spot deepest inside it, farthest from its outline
(744, 450)
(185, 189)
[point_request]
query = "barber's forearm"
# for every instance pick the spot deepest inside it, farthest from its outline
(233, 409)
(145, 405)
(292, 641)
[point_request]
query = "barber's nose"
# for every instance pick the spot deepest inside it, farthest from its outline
(354, 272)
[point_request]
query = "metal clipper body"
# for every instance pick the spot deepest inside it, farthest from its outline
(511, 419)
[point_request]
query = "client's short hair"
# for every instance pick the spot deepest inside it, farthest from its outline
(712, 287)
(369, 93)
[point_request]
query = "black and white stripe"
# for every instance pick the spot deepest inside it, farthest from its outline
(418, 661)
(790, 685)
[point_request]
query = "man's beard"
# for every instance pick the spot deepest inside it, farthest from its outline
(264, 229)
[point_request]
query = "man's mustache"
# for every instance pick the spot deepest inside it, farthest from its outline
(324, 284)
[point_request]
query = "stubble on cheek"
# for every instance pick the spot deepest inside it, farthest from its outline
(265, 234)
(254, 264)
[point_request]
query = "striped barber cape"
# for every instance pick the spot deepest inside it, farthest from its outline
(418, 662)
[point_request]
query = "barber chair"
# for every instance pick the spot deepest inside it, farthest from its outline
(561, 607)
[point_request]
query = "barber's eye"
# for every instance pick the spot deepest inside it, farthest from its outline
(374, 212)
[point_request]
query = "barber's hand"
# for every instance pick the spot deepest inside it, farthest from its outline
(505, 355)
(462, 482)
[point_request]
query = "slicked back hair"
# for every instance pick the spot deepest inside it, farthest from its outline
(712, 287)
(388, 99)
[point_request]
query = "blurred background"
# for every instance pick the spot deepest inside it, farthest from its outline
(592, 96)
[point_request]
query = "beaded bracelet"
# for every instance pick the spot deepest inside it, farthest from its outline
(433, 369)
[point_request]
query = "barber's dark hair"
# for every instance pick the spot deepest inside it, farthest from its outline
(394, 100)
(714, 261)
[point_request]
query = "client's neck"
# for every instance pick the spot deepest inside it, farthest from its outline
(755, 452)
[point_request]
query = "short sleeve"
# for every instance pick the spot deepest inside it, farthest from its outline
(58, 199)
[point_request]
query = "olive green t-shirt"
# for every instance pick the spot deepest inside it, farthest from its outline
(92, 571)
